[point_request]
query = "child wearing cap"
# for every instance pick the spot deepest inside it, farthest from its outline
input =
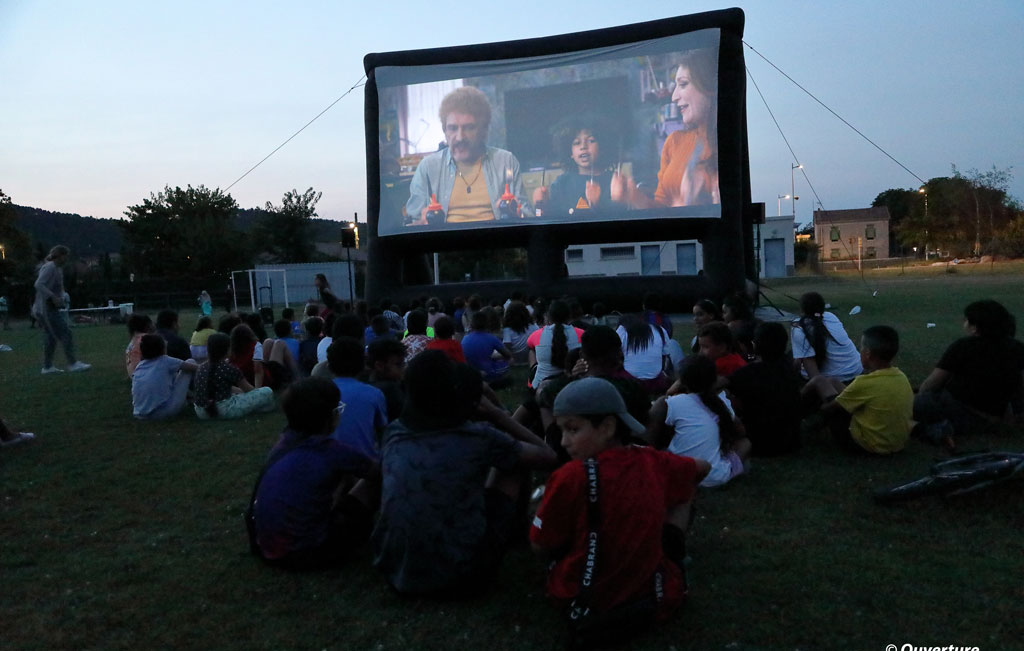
(643, 500)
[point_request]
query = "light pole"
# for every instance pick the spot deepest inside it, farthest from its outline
(781, 197)
(924, 191)
(348, 240)
(792, 183)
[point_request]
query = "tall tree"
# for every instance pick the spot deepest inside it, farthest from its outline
(962, 214)
(901, 204)
(16, 256)
(184, 232)
(286, 233)
(986, 201)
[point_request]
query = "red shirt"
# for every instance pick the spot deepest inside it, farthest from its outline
(449, 347)
(245, 363)
(636, 486)
(726, 365)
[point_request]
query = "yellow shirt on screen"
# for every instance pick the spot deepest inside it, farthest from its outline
(472, 206)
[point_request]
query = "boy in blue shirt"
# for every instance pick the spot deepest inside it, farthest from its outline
(365, 405)
(160, 383)
(298, 521)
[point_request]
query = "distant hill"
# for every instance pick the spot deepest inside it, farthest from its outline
(88, 236)
(94, 237)
(324, 230)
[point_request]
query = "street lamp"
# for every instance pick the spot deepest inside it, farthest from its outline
(924, 190)
(3, 252)
(350, 239)
(781, 197)
(792, 182)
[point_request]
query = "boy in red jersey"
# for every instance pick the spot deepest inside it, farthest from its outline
(643, 500)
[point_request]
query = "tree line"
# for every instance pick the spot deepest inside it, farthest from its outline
(966, 214)
(202, 233)
(178, 232)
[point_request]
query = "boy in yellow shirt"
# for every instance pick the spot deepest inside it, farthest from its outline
(874, 413)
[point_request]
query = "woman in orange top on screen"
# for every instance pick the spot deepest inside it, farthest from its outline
(688, 175)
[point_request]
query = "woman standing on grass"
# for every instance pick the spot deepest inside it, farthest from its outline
(47, 311)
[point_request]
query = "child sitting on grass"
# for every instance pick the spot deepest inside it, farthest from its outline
(718, 344)
(366, 408)
(313, 327)
(444, 340)
(873, 414)
(701, 423)
(642, 496)
(138, 325)
(386, 359)
(197, 345)
(418, 334)
(766, 394)
(485, 352)
(265, 363)
(288, 314)
(160, 383)
(449, 484)
(979, 379)
(283, 335)
(299, 521)
(221, 391)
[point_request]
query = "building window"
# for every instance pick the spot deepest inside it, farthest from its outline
(618, 252)
(869, 232)
(574, 255)
(870, 253)
(835, 253)
(833, 234)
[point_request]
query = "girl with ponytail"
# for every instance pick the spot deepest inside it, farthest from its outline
(550, 345)
(820, 343)
(644, 351)
(702, 423)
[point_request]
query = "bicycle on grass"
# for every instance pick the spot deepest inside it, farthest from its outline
(957, 476)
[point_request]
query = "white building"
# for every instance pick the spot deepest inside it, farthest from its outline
(679, 257)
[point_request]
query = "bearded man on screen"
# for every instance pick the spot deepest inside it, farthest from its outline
(467, 177)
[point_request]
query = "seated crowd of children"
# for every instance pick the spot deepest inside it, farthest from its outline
(395, 435)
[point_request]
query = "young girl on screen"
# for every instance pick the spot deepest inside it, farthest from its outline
(585, 183)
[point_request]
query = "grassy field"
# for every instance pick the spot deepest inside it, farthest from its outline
(123, 535)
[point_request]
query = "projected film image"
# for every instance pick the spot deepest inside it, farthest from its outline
(618, 133)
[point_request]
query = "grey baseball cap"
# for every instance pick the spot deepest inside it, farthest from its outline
(592, 396)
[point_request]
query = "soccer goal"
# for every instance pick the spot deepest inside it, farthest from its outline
(259, 285)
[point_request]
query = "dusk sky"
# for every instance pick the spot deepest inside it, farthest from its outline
(104, 102)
